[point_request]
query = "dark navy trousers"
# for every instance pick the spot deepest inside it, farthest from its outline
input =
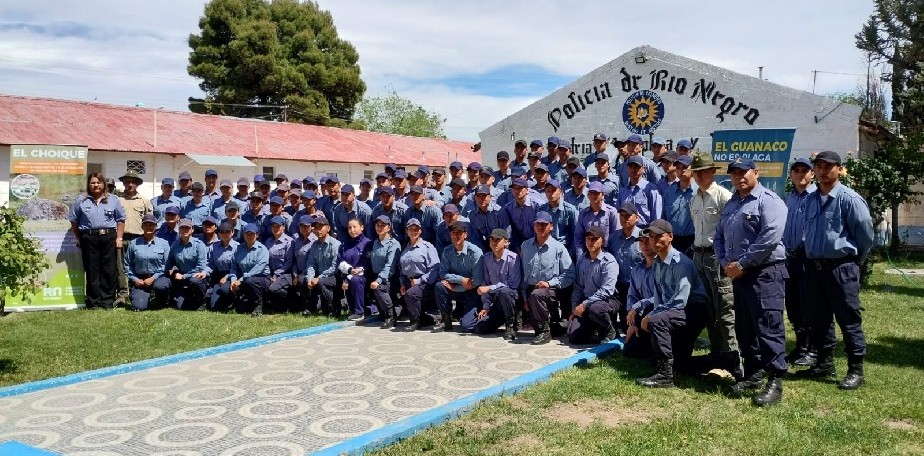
(834, 294)
(759, 301)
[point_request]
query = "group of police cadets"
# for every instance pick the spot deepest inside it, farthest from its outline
(615, 245)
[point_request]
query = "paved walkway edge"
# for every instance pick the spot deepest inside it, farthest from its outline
(31, 387)
(412, 425)
(14, 448)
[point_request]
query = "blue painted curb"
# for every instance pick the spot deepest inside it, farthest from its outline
(409, 426)
(40, 385)
(14, 448)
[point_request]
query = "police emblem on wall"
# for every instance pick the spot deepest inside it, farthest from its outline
(643, 112)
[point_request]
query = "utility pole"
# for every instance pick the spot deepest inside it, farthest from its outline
(814, 79)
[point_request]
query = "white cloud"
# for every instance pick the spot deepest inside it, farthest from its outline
(402, 42)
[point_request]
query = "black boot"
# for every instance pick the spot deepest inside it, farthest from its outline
(750, 383)
(414, 326)
(257, 311)
(663, 376)
(823, 368)
(544, 334)
(610, 335)
(447, 321)
(388, 323)
(731, 362)
(771, 393)
(854, 377)
(802, 355)
(510, 332)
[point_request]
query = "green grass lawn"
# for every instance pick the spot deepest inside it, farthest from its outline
(40, 345)
(598, 409)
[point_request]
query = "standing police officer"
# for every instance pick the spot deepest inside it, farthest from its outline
(801, 175)
(838, 236)
(748, 244)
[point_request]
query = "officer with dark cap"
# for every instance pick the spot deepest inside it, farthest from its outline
(486, 177)
(384, 281)
(243, 190)
(277, 206)
(499, 274)
(503, 176)
(802, 175)
(623, 244)
(196, 208)
(838, 237)
(350, 208)
(320, 269)
(451, 215)
(187, 269)
(217, 207)
(642, 192)
(233, 216)
(521, 212)
(395, 210)
(564, 215)
(456, 170)
(548, 273)
(593, 299)
(676, 317)
(576, 194)
(657, 151)
(304, 238)
(535, 146)
(597, 213)
(486, 217)
(281, 256)
(519, 165)
(473, 169)
(209, 234)
(169, 230)
(250, 272)
(607, 178)
(144, 263)
(220, 262)
(634, 145)
(676, 200)
(558, 167)
(640, 300)
(540, 177)
(458, 263)
(184, 192)
(166, 199)
(428, 216)
(439, 185)
(749, 247)
(420, 268)
(684, 147)
(600, 144)
(211, 186)
(552, 149)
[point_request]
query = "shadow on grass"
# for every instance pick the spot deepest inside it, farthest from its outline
(7, 366)
(897, 351)
(905, 290)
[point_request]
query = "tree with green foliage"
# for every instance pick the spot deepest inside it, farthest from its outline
(22, 261)
(888, 179)
(395, 114)
(280, 60)
(894, 34)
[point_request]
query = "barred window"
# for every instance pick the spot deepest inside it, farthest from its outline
(135, 166)
(367, 174)
(269, 173)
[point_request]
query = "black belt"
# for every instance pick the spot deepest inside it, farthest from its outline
(795, 253)
(830, 263)
(99, 232)
(698, 249)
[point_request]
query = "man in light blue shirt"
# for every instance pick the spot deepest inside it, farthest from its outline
(145, 262)
(801, 174)
(548, 273)
(281, 256)
(677, 316)
(187, 268)
(676, 199)
(350, 208)
(486, 218)
(641, 192)
(640, 299)
(593, 299)
(564, 215)
(320, 270)
(458, 263)
(598, 213)
(748, 244)
(249, 272)
(498, 275)
(838, 237)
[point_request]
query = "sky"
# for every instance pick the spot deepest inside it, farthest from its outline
(473, 62)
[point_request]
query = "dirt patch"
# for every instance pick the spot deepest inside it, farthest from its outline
(901, 425)
(527, 444)
(518, 403)
(610, 413)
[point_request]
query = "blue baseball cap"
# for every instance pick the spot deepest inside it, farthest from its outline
(554, 140)
(277, 220)
(685, 160)
(333, 179)
(451, 208)
(541, 167)
(347, 189)
(416, 189)
(387, 191)
(366, 181)
(184, 175)
(543, 217)
(456, 165)
(400, 174)
(635, 160)
(167, 181)
(320, 219)
(741, 163)
(384, 219)
(519, 182)
(424, 168)
(827, 156)
(483, 190)
(600, 137)
(564, 144)
(258, 178)
(602, 156)
(277, 200)
(243, 181)
(536, 142)
(658, 140)
(210, 219)
(580, 171)
(801, 161)
(309, 194)
(391, 166)
(474, 166)
(413, 222)
(685, 143)
(211, 172)
(251, 228)
(306, 220)
(596, 186)
(629, 208)
(381, 175)
(172, 210)
(635, 139)
(553, 183)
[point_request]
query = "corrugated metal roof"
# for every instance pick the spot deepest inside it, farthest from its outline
(29, 120)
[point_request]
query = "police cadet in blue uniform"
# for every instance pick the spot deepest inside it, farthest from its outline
(161, 202)
(196, 208)
(749, 247)
(304, 239)
(220, 263)
(801, 174)
(458, 264)
(640, 300)
(186, 268)
(623, 244)
(676, 199)
(353, 262)
(593, 299)
(677, 316)
(420, 268)
(521, 212)
(145, 262)
(392, 209)
(838, 237)
(499, 274)
(98, 221)
(486, 218)
(250, 272)
(564, 215)
(640, 191)
(548, 273)
(281, 256)
(384, 262)
(597, 213)
(428, 215)
(321, 267)
(576, 195)
(607, 178)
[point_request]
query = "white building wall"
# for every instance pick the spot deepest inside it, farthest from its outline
(5, 173)
(822, 123)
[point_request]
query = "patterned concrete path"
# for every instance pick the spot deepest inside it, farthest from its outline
(290, 397)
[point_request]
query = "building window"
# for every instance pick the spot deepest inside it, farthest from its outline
(367, 174)
(269, 173)
(136, 166)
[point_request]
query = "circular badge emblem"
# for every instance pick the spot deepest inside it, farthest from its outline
(24, 186)
(643, 112)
